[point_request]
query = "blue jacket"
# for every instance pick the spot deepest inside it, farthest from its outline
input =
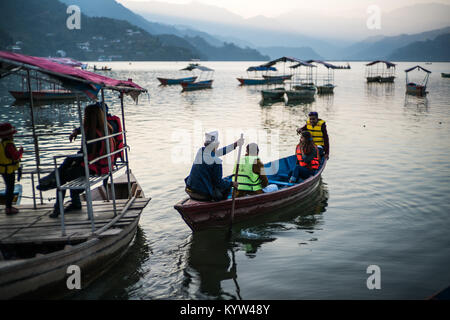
(206, 172)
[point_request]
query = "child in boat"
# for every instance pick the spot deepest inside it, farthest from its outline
(9, 163)
(251, 176)
(205, 182)
(308, 158)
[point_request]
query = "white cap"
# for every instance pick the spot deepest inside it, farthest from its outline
(212, 136)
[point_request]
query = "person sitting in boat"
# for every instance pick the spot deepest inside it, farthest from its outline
(205, 182)
(9, 163)
(318, 129)
(73, 167)
(307, 158)
(115, 123)
(251, 176)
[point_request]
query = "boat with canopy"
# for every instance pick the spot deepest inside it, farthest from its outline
(204, 80)
(417, 88)
(324, 82)
(257, 80)
(302, 85)
(173, 81)
(380, 71)
(36, 251)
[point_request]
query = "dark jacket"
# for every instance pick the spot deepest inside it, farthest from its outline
(206, 172)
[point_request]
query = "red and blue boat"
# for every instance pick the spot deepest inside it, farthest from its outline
(205, 78)
(257, 80)
(201, 215)
(414, 88)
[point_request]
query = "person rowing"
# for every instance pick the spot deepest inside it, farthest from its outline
(205, 182)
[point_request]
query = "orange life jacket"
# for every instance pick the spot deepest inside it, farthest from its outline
(101, 166)
(314, 164)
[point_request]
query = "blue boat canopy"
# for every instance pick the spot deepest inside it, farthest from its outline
(387, 63)
(262, 68)
(417, 67)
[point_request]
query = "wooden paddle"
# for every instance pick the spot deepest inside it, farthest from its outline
(233, 202)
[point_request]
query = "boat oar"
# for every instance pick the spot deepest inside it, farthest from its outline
(233, 201)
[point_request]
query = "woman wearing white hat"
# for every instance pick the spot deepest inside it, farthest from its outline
(205, 181)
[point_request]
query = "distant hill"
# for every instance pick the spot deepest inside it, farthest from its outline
(376, 48)
(213, 49)
(39, 28)
(429, 50)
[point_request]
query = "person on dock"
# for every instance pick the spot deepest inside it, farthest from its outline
(73, 167)
(308, 158)
(9, 163)
(115, 123)
(318, 129)
(205, 182)
(251, 176)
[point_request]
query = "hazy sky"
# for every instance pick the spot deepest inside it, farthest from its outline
(272, 8)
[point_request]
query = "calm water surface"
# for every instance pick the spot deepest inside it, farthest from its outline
(384, 198)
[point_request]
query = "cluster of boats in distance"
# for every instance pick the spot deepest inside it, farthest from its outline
(300, 80)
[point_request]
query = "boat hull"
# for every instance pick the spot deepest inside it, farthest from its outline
(445, 75)
(250, 82)
(44, 95)
(277, 79)
(273, 94)
(299, 93)
(387, 79)
(191, 86)
(166, 81)
(325, 89)
(373, 79)
(205, 215)
(416, 89)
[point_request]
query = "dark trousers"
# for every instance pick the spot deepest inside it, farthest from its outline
(69, 170)
(9, 179)
(302, 173)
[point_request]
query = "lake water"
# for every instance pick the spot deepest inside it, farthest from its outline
(384, 198)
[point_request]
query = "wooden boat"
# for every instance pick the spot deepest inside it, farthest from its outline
(325, 81)
(191, 86)
(17, 195)
(204, 80)
(168, 81)
(258, 78)
(301, 92)
(380, 71)
(200, 215)
(418, 89)
(44, 95)
(39, 253)
(273, 94)
(325, 89)
(277, 79)
(445, 75)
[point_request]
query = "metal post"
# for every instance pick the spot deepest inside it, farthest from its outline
(60, 198)
(125, 143)
(86, 168)
(108, 151)
(35, 138)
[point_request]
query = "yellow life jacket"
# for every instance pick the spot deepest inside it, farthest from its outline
(247, 179)
(7, 165)
(316, 132)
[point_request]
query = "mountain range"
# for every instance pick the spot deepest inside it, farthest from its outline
(152, 30)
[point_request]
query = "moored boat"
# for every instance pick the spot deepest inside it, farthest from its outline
(38, 253)
(258, 78)
(380, 71)
(204, 80)
(191, 86)
(44, 95)
(445, 75)
(200, 215)
(302, 86)
(169, 81)
(273, 94)
(416, 88)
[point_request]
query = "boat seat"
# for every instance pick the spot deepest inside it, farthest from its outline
(281, 183)
(80, 182)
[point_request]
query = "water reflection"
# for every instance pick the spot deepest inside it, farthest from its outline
(124, 279)
(211, 258)
(380, 89)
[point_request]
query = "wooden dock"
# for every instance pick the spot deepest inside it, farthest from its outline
(34, 225)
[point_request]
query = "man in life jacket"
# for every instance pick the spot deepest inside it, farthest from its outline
(308, 158)
(251, 176)
(9, 163)
(318, 129)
